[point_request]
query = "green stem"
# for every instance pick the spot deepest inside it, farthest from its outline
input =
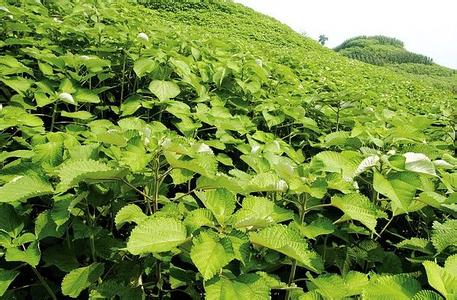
(293, 269)
(155, 207)
(44, 283)
(316, 206)
(91, 235)
(384, 228)
(123, 78)
(53, 116)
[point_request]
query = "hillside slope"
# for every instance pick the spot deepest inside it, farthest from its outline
(318, 66)
(391, 53)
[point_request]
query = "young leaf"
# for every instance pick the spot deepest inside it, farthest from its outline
(156, 235)
(79, 279)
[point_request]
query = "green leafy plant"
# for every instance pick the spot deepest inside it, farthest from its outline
(140, 162)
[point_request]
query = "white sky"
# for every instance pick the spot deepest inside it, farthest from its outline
(427, 27)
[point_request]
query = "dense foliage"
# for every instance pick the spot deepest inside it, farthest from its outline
(143, 162)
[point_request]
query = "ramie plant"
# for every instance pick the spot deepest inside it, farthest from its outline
(142, 163)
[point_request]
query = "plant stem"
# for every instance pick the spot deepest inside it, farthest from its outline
(293, 269)
(317, 206)
(123, 78)
(384, 228)
(53, 116)
(91, 234)
(44, 283)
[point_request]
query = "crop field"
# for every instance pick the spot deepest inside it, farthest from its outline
(200, 150)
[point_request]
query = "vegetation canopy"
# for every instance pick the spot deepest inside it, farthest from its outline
(200, 150)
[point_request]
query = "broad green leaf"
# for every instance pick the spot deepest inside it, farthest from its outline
(198, 218)
(129, 213)
(86, 96)
(358, 207)
(241, 245)
(247, 286)
(6, 277)
(75, 171)
(320, 226)
(25, 238)
(265, 182)
(210, 254)
(259, 212)
(203, 163)
(143, 66)
(17, 153)
(112, 137)
(399, 191)
(79, 279)
(81, 115)
(156, 235)
(19, 84)
(444, 235)
(10, 221)
(220, 202)
(419, 163)
(24, 187)
(338, 287)
(427, 295)
(444, 280)
(11, 116)
(45, 68)
(31, 255)
(131, 105)
(51, 153)
(392, 287)
(345, 163)
(164, 90)
(289, 242)
(61, 257)
(417, 244)
(45, 226)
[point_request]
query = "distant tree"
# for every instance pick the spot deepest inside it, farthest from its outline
(322, 39)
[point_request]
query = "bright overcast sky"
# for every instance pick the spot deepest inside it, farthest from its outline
(427, 27)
